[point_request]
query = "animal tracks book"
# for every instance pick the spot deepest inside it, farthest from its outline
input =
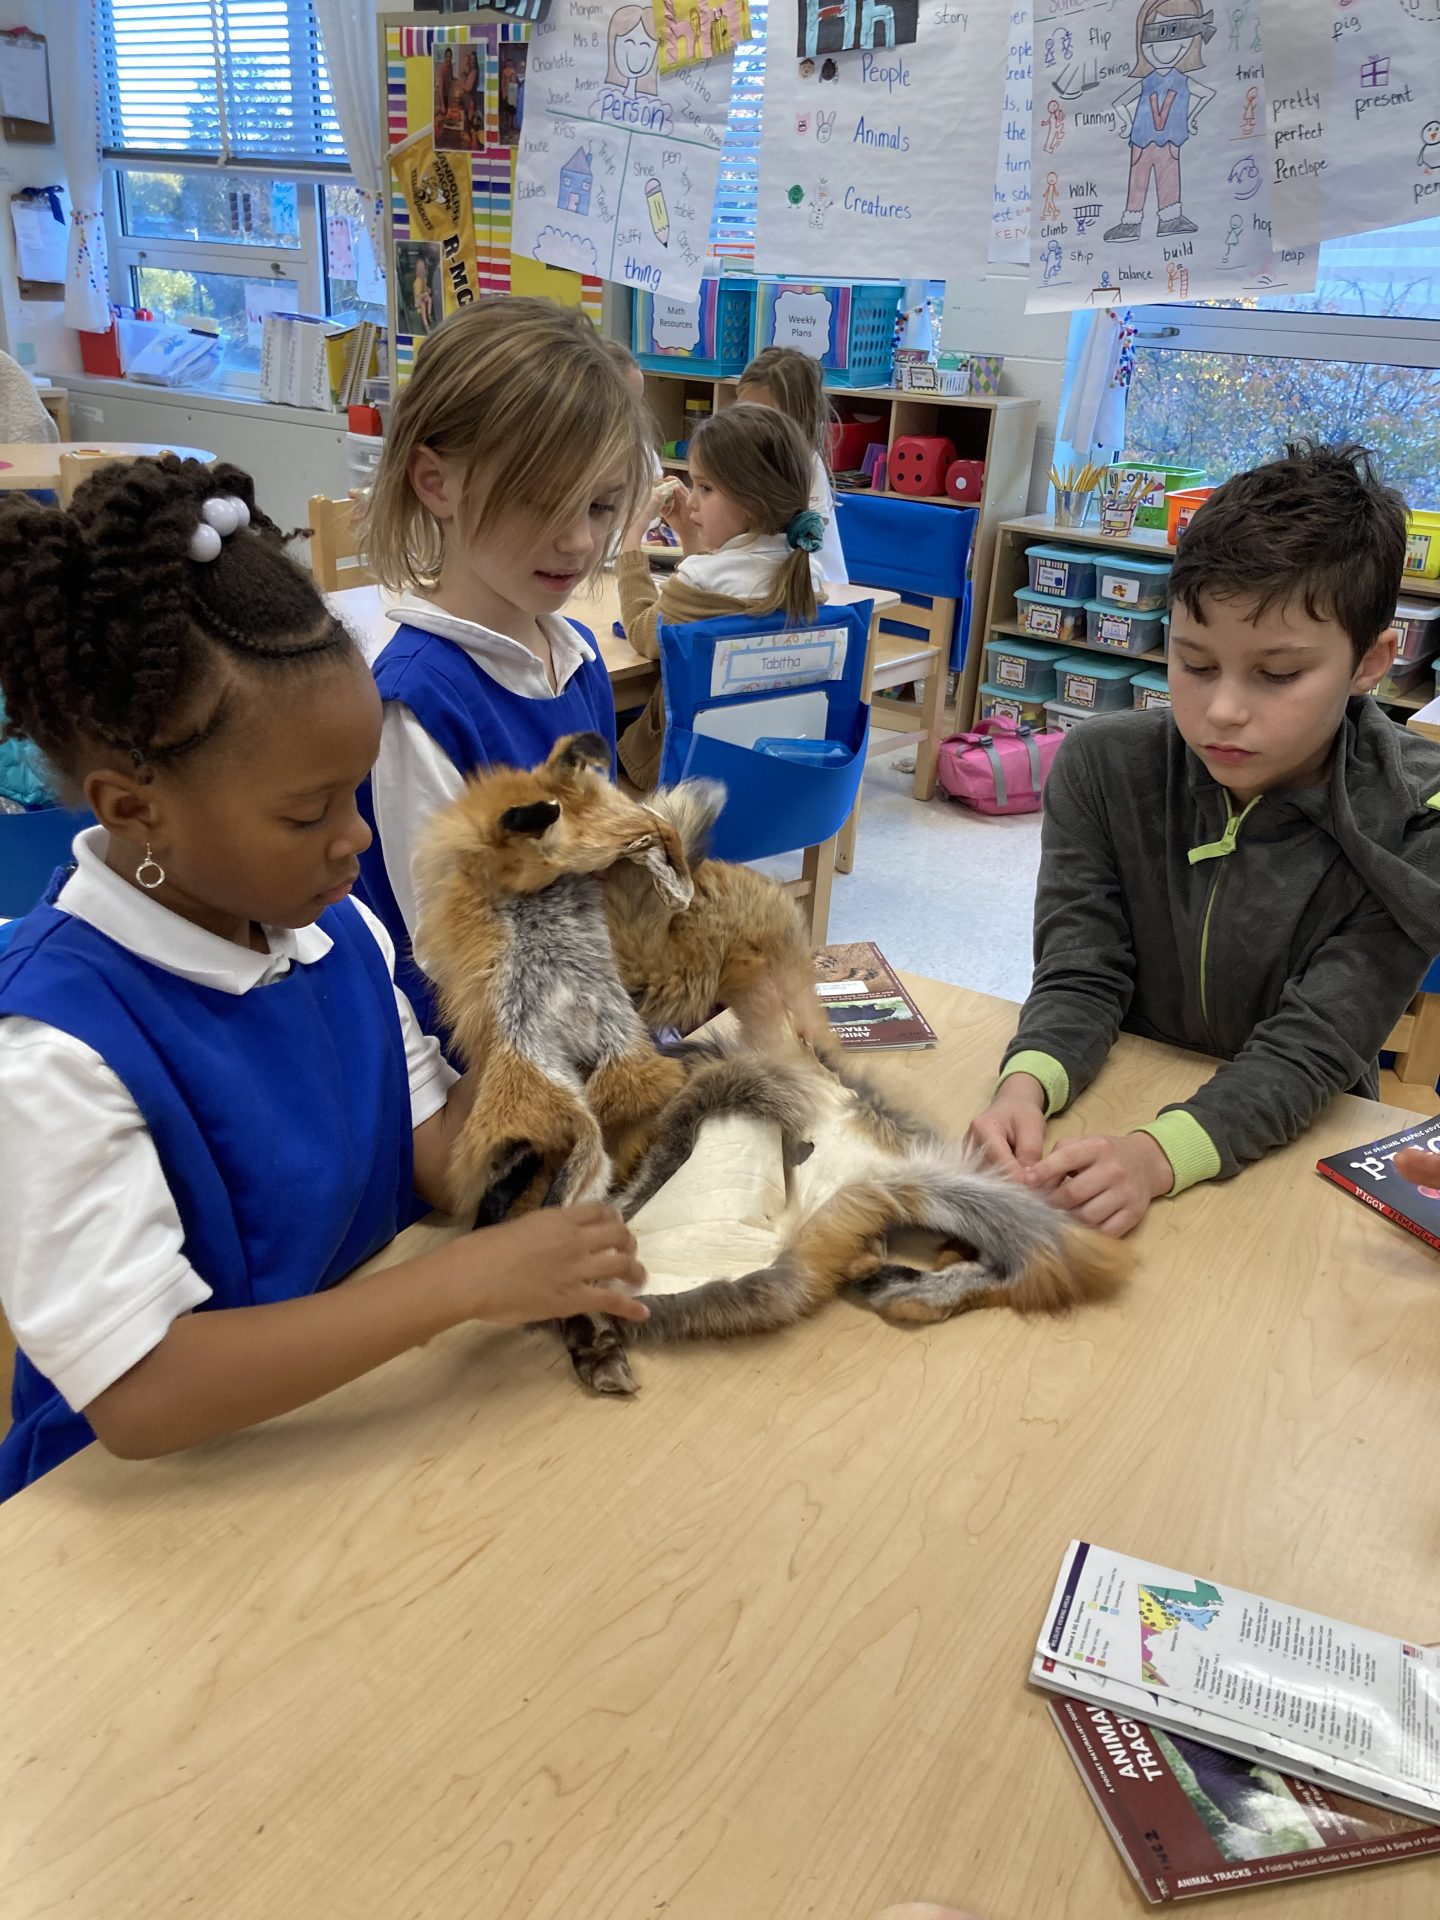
(1189, 1819)
(1367, 1173)
(1347, 1709)
(868, 1009)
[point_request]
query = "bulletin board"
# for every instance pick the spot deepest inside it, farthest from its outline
(454, 100)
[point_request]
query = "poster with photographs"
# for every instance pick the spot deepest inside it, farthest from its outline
(459, 98)
(419, 296)
(513, 55)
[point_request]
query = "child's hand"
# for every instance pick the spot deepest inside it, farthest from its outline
(1419, 1166)
(1107, 1181)
(552, 1264)
(1011, 1130)
(672, 502)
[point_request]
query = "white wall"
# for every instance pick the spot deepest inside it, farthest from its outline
(988, 316)
(27, 324)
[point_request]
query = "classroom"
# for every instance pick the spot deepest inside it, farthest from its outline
(737, 1226)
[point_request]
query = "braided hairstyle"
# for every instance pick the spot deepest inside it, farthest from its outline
(110, 631)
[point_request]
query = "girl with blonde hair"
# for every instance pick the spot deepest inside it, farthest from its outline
(794, 383)
(514, 455)
(1161, 111)
(751, 545)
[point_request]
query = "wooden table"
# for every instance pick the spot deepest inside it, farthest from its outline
(632, 676)
(458, 1642)
(23, 467)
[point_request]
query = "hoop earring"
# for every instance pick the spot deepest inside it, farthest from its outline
(140, 874)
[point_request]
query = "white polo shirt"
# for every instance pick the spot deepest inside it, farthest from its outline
(92, 1267)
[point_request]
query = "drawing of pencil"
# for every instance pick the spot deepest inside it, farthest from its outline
(659, 212)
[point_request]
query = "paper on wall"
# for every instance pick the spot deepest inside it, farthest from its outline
(40, 239)
(1010, 228)
(618, 161)
(1149, 152)
(690, 31)
(880, 163)
(1354, 121)
(24, 81)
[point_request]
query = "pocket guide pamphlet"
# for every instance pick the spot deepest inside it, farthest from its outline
(868, 1009)
(1188, 1819)
(1346, 1708)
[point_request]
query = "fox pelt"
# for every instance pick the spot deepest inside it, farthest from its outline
(514, 936)
(828, 1189)
(738, 942)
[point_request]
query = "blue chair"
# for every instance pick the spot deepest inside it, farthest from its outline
(922, 553)
(32, 846)
(778, 714)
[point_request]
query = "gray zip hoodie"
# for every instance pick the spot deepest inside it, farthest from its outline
(1286, 936)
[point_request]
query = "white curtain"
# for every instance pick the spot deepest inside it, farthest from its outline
(350, 36)
(75, 89)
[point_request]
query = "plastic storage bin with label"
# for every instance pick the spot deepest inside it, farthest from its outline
(1422, 545)
(1062, 719)
(1060, 573)
(1418, 624)
(1094, 684)
(1022, 667)
(1150, 690)
(1046, 618)
(1122, 629)
(998, 703)
(1141, 584)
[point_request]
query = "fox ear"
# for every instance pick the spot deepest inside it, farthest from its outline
(533, 819)
(581, 751)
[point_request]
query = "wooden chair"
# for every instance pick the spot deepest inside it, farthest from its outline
(335, 545)
(1415, 1041)
(75, 467)
(921, 552)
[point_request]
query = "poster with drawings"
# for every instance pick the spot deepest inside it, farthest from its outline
(1010, 228)
(879, 162)
(618, 161)
(1149, 153)
(1355, 116)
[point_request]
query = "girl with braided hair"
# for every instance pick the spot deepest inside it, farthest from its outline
(214, 1101)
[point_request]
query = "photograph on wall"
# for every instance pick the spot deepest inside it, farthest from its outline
(418, 293)
(512, 90)
(840, 28)
(459, 98)
(690, 31)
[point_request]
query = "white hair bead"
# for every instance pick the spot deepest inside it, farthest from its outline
(222, 511)
(205, 542)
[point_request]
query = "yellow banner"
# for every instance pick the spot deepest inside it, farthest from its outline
(435, 266)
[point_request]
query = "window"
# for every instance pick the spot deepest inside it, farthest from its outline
(732, 226)
(226, 194)
(1223, 387)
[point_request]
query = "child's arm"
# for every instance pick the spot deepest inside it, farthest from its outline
(639, 603)
(214, 1373)
(1084, 968)
(413, 777)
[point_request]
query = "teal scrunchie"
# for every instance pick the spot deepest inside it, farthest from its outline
(806, 531)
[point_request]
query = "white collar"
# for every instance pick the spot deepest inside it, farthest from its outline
(135, 921)
(504, 659)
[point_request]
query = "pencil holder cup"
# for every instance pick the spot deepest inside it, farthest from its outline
(1071, 508)
(1117, 517)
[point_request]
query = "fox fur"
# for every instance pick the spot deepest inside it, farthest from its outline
(514, 935)
(739, 942)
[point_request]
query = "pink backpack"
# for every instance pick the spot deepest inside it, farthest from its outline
(999, 768)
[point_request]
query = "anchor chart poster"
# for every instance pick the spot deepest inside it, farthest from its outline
(1355, 117)
(878, 159)
(1149, 156)
(618, 159)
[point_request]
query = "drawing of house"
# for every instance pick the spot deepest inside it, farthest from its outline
(575, 180)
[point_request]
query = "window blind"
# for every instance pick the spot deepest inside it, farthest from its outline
(732, 226)
(233, 83)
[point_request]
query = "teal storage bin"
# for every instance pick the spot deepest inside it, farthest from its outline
(1043, 617)
(1093, 684)
(1022, 667)
(1123, 629)
(1150, 689)
(1061, 573)
(1002, 703)
(1127, 582)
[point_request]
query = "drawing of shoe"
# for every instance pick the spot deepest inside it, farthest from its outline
(1126, 230)
(1178, 225)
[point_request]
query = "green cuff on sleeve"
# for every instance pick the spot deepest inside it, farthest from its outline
(1048, 1071)
(1186, 1145)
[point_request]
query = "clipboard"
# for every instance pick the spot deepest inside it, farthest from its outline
(25, 88)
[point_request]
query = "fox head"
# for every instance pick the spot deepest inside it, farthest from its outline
(513, 833)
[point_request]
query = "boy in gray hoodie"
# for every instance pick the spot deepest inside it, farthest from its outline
(1254, 874)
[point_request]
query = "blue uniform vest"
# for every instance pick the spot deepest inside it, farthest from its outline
(477, 723)
(281, 1117)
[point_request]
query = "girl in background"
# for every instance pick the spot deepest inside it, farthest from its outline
(751, 545)
(794, 384)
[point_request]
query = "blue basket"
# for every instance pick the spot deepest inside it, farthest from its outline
(732, 300)
(873, 311)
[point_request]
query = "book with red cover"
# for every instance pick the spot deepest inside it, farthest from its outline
(1190, 1820)
(1367, 1173)
(868, 1009)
